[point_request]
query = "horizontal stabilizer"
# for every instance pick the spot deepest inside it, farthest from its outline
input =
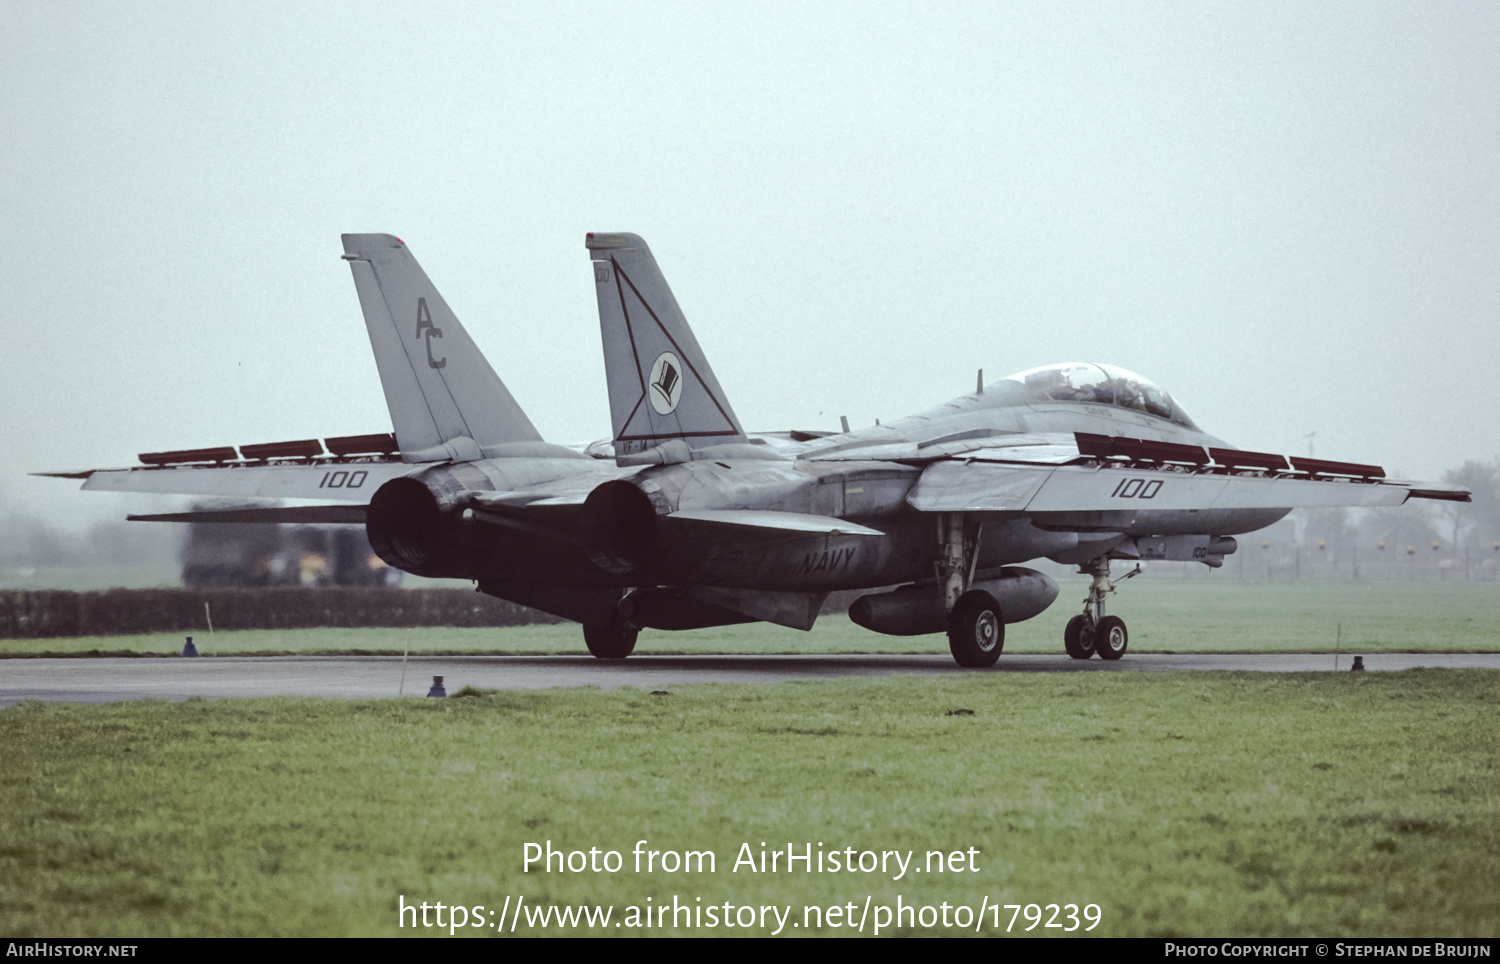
(298, 515)
(775, 522)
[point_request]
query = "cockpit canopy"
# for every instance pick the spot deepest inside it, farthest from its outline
(1101, 385)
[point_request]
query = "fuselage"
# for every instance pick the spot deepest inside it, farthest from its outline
(864, 476)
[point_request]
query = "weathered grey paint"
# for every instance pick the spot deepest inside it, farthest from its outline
(696, 524)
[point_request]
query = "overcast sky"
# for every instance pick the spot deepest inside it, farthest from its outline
(1288, 215)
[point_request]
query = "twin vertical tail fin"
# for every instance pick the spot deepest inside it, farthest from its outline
(664, 400)
(446, 401)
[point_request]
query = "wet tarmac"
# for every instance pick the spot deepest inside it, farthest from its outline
(380, 677)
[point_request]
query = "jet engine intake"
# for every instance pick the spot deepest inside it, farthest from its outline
(917, 610)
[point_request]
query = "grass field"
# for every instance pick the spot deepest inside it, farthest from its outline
(1180, 804)
(1164, 617)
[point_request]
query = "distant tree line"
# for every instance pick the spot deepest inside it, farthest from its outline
(29, 542)
(1422, 540)
(123, 612)
(1454, 526)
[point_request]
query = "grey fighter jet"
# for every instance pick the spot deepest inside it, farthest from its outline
(1080, 463)
(684, 520)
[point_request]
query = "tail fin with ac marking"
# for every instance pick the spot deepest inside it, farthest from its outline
(446, 401)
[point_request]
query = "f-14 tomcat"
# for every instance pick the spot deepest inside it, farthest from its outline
(684, 520)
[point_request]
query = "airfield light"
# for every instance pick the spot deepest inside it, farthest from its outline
(1434, 545)
(1410, 550)
(1266, 544)
(1322, 544)
(1380, 545)
(1497, 545)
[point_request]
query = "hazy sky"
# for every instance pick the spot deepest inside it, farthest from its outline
(1288, 215)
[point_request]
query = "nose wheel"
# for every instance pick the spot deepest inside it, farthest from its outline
(1110, 637)
(1093, 631)
(1078, 637)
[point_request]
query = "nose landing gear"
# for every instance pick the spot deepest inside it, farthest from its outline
(1078, 637)
(1093, 631)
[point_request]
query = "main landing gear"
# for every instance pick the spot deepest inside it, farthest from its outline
(610, 641)
(976, 627)
(976, 630)
(1093, 631)
(614, 639)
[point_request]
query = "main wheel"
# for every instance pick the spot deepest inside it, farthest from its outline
(610, 641)
(976, 630)
(1078, 638)
(1110, 637)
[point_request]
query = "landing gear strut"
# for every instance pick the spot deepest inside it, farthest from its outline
(976, 627)
(1093, 631)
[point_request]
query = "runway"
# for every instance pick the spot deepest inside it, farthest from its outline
(380, 677)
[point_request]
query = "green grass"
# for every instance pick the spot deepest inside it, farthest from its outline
(1166, 616)
(1181, 804)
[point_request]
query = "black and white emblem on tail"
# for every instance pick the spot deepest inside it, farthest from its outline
(666, 383)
